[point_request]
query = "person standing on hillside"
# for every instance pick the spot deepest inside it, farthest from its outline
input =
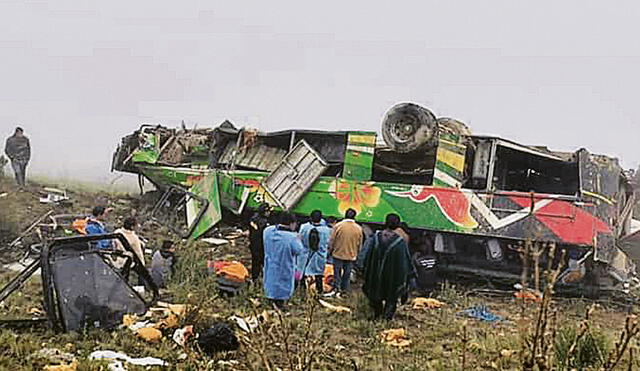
(315, 238)
(387, 269)
(259, 221)
(344, 244)
(281, 247)
(18, 149)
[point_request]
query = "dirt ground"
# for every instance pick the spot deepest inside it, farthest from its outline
(309, 336)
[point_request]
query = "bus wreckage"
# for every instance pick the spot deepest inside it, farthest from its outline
(479, 198)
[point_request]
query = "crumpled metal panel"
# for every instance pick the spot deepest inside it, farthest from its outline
(259, 157)
(90, 293)
(293, 177)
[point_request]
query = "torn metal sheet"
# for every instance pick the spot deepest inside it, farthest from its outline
(180, 147)
(209, 215)
(295, 175)
(172, 208)
(259, 157)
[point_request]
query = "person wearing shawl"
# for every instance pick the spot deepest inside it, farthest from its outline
(387, 269)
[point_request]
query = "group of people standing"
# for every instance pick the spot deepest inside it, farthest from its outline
(289, 256)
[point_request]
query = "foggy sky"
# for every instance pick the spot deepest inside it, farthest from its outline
(79, 75)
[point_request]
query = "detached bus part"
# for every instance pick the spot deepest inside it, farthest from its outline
(81, 286)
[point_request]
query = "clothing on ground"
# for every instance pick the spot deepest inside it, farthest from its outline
(281, 247)
(346, 240)
(314, 261)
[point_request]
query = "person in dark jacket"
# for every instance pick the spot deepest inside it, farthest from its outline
(387, 269)
(425, 262)
(18, 149)
(259, 221)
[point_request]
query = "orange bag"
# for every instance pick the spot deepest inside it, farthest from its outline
(234, 270)
(80, 226)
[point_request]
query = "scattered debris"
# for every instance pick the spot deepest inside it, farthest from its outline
(158, 318)
(395, 337)
(219, 337)
(73, 366)
(215, 241)
(231, 363)
(248, 324)
(506, 353)
(170, 321)
(129, 320)
(17, 240)
(54, 196)
(54, 355)
(36, 312)
(19, 266)
(117, 356)
(181, 335)
(482, 313)
(528, 295)
(426, 303)
(334, 308)
(149, 334)
(235, 234)
(178, 309)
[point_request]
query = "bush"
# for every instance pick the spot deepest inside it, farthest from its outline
(590, 350)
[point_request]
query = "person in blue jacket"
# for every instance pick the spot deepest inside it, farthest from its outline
(315, 238)
(281, 247)
(95, 225)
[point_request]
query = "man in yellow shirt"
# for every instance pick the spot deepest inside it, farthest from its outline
(344, 244)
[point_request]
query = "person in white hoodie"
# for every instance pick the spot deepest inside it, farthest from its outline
(128, 231)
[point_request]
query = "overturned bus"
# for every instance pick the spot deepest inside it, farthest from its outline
(478, 198)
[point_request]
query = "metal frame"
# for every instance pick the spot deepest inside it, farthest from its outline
(187, 196)
(51, 306)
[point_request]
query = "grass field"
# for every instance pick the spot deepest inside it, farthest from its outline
(312, 337)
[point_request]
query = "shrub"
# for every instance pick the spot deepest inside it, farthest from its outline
(590, 349)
